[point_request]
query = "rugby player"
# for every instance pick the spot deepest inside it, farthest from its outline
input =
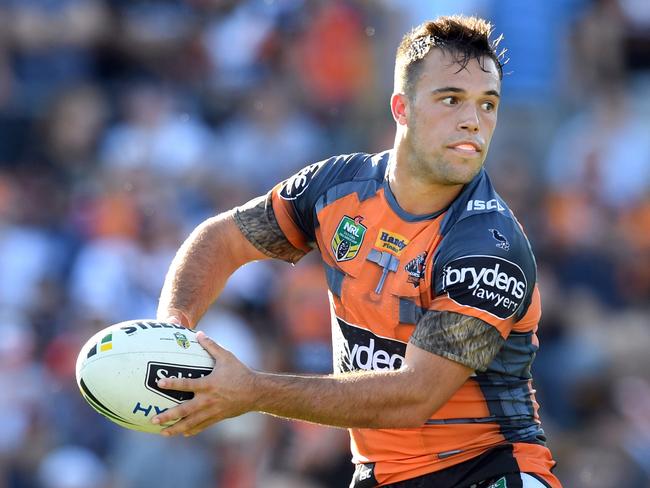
(432, 284)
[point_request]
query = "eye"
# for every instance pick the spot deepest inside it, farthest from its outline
(450, 100)
(488, 106)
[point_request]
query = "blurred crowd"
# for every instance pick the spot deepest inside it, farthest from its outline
(124, 123)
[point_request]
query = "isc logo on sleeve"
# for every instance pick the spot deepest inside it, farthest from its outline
(489, 283)
(492, 204)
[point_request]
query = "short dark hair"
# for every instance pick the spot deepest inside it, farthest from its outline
(465, 38)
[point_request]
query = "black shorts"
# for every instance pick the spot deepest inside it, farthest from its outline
(496, 468)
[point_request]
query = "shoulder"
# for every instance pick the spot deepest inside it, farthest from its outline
(480, 222)
(485, 256)
(316, 179)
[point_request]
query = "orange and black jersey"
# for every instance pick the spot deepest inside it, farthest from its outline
(386, 270)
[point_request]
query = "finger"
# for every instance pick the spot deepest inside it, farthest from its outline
(178, 412)
(190, 423)
(180, 384)
(209, 345)
(202, 426)
(193, 425)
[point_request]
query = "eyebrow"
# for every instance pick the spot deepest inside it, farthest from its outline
(453, 89)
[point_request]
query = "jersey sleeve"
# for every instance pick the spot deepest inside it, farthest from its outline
(294, 200)
(485, 268)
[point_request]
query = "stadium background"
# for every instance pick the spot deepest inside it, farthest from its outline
(124, 123)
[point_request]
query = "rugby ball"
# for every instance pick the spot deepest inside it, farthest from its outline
(118, 368)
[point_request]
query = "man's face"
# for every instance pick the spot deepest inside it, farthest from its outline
(450, 118)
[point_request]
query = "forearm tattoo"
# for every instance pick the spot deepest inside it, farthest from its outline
(257, 222)
(461, 338)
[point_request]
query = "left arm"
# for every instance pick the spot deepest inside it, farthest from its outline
(393, 399)
(402, 398)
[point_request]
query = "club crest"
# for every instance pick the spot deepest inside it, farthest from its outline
(416, 268)
(348, 238)
(503, 242)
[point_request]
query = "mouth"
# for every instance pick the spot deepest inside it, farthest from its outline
(468, 148)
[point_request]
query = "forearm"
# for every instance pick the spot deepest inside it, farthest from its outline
(201, 267)
(352, 400)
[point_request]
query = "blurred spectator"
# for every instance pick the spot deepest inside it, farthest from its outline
(603, 151)
(332, 56)
(235, 41)
(71, 130)
(156, 135)
(73, 467)
(268, 141)
(53, 43)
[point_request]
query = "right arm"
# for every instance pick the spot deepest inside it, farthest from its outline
(212, 252)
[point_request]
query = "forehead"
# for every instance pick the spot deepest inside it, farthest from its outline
(440, 69)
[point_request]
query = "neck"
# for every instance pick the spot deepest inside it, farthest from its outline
(414, 193)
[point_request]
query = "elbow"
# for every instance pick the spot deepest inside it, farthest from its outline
(417, 414)
(420, 416)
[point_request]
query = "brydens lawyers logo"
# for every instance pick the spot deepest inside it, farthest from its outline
(298, 183)
(488, 283)
(348, 238)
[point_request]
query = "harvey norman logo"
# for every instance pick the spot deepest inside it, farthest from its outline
(356, 348)
(391, 241)
(489, 283)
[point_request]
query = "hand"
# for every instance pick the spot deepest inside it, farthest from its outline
(175, 316)
(226, 392)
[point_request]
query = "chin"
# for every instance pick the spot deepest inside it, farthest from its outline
(460, 176)
(464, 172)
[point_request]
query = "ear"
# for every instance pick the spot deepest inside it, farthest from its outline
(399, 107)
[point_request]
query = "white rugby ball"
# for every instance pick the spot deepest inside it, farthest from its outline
(118, 367)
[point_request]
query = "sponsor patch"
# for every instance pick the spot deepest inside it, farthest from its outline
(391, 242)
(348, 238)
(364, 476)
(298, 183)
(480, 205)
(489, 283)
(157, 371)
(502, 241)
(356, 348)
(181, 340)
(416, 269)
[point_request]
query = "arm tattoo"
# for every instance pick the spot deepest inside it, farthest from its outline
(461, 338)
(257, 222)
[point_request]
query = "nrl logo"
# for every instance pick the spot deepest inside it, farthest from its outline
(348, 238)
(181, 340)
(416, 268)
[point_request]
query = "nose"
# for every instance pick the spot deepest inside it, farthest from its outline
(469, 121)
